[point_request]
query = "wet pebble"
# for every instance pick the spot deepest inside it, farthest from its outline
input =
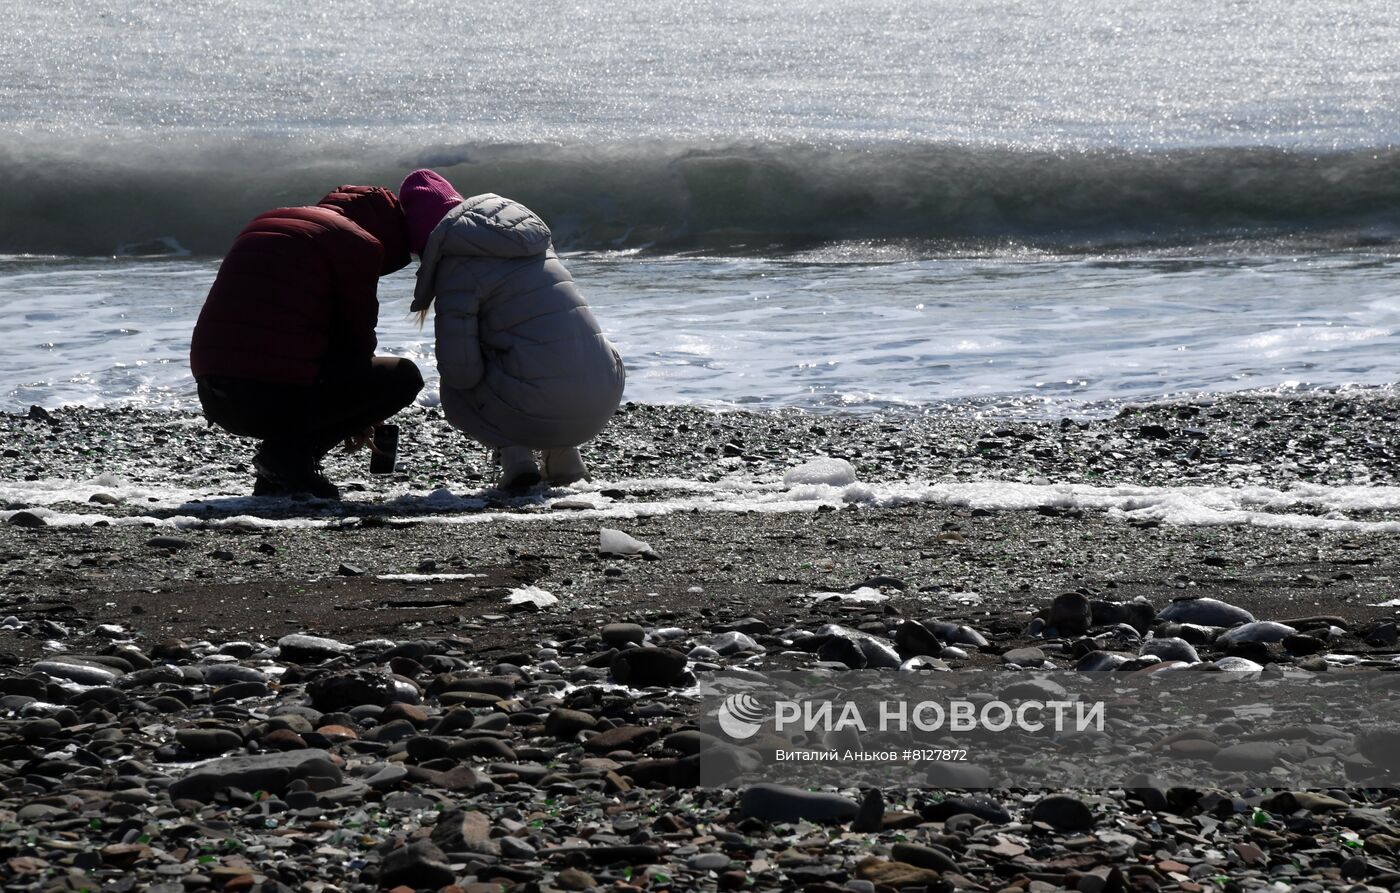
(1258, 631)
(1170, 649)
(648, 666)
(782, 803)
(1205, 612)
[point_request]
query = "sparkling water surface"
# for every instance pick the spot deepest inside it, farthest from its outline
(1029, 72)
(1031, 335)
(1157, 198)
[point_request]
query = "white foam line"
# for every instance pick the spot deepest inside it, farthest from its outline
(1301, 507)
(428, 578)
(167, 496)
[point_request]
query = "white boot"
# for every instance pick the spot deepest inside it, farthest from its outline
(564, 466)
(518, 468)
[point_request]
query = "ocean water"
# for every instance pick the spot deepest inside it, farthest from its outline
(1033, 336)
(1035, 207)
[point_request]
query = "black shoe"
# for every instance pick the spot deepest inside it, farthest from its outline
(295, 476)
(264, 486)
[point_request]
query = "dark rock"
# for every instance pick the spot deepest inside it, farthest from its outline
(882, 581)
(564, 724)
(690, 741)
(618, 634)
(1170, 649)
(1069, 615)
(310, 649)
(1262, 631)
(1194, 633)
(780, 803)
(24, 518)
(871, 817)
(499, 688)
(666, 771)
(734, 642)
(420, 865)
(464, 831)
(648, 666)
(751, 626)
(1063, 813)
(913, 639)
(173, 543)
(1303, 644)
(79, 670)
(878, 654)
(984, 808)
(1381, 745)
(1355, 868)
(932, 858)
(207, 742)
(1100, 660)
(1137, 614)
(483, 748)
(708, 862)
(342, 691)
(633, 738)
(1206, 612)
(270, 772)
(237, 691)
(842, 650)
(221, 674)
(1383, 634)
(574, 879)
(1025, 657)
(1315, 622)
(515, 848)
(1149, 792)
(958, 634)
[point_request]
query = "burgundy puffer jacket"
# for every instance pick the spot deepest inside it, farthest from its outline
(295, 298)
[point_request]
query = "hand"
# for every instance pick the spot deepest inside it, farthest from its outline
(356, 442)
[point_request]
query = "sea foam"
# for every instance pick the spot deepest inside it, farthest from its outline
(1358, 509)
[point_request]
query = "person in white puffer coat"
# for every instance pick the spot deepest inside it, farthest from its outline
(524, 366)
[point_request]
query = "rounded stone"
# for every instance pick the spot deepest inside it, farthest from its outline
(1206, 612)
(619, 634)
(1170, 649)
(1063, 813)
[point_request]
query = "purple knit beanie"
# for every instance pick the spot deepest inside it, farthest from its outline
(426, 199)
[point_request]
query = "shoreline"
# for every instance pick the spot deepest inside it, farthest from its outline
(552, 784)
(739, 525)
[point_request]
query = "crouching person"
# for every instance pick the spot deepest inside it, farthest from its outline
(284, 347)
(525, 367)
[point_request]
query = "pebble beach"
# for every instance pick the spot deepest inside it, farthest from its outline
(433, 685)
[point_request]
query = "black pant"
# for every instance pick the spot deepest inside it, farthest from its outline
(307, 421)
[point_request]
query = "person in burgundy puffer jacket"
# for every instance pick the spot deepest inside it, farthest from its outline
(284, 347)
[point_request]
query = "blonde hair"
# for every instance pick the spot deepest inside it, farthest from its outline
(422, 316)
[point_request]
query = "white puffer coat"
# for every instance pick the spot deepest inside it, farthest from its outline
(522, 360)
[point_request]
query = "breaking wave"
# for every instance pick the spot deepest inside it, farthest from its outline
(93, 201)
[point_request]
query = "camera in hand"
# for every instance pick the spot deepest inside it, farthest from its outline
(386, 449)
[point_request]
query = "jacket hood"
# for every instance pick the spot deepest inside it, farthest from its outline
(484, 225)
(377, 211)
